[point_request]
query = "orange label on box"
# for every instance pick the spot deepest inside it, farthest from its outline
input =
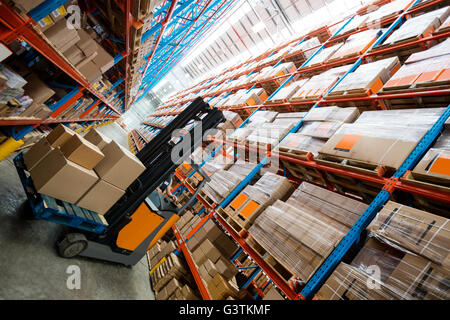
(347, 142)
(240, 199)
(441, 165)
(249, 209)
(187, 166)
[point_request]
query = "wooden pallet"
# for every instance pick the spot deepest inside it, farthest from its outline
(417, 102)
(299, 154)
(356, 165)
(226, 215)
(206, 198)
(305, 173)
(277, 266)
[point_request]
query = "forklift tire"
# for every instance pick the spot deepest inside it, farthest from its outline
(72, 245)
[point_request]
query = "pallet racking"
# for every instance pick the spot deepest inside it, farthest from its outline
(386, 185)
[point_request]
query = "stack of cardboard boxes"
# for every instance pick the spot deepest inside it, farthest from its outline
(409, 248)
(90, 172)
(160, 250)
(301, 232)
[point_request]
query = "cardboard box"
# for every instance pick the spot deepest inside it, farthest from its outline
(119, 167)
(224, 267)
(220, 289)
(103, 60)
(62, 179)
(60, 135)
(37, 90)
(74, 55)
(90, 71)
(82, 152)
(96, 138)
(27, 5)
(435, 164)
(101, 197)
(349, 283)
(416, 230)
(417, 278)
(86, 44)
(273, 294)
(61, 36)
(37, 153)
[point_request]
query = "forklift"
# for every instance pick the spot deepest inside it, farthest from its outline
(143, 215)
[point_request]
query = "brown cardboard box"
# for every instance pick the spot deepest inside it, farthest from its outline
(103, 60)
(60, 135)
(373, 150)
(95, 137)
(27, 5)
(273, 294)
(418, 278)
(74, 55)
(349, 283)
(416, 230)
(86, 43)
(210, 251)
(37, 153)
(225, 268)
(82, 152)
(119, 167)
(220, 289)
(61, 36)
(206, 277)
(60, 178)
(435, 164)
(90, 71)
(37, 90)
(101, 197)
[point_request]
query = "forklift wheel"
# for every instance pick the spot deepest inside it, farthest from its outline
(72, 245)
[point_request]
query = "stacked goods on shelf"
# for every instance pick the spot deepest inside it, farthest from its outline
(288, 118)
(68, 167)
(323, 55)
(385, 11)
(409, 249)
(423, 69)
(285, 94)
(445, 26)
(419, 26)
(367, 79)
(224, 181)
(319, 125)
(159, 251)
(356, 44)
(380, 138)
(316, 86)
(301, 232)
(271, 72)
(251, 201)
(13, 100)
(300, 53)
(171, 276)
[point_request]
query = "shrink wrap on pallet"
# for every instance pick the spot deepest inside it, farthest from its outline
(400, 275)
(261, 116)
(342, 209)
(421, 25)
(421, 232)
(268, 133)
(299, 142)
(288, 118)
(287, 92)
(423, 118)
(324, 55)
(305, 48)
(332, 113)
(357, 43)
(241, 134)
(387, 10)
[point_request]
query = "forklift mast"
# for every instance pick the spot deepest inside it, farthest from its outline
(157, 158)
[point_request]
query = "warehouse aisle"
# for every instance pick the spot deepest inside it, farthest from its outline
(30, 267)
(115, 132)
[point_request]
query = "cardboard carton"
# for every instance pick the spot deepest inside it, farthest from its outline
(82, 152)
(90, 71)
(60, 135)
(119, 167)
(60, 178)
(37, 90)
(103, 60)
(61, 36)
(435, 164)
(273, 294)
(95, 137)
(101, 197)
(37, 153)
(416, 230)
(27, 5)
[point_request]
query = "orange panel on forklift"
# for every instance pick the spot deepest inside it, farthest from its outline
(143, 222)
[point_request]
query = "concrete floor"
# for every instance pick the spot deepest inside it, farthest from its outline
(30, 267)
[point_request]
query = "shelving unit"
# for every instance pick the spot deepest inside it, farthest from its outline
(387, 185)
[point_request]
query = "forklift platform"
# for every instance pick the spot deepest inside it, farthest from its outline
(57, 211)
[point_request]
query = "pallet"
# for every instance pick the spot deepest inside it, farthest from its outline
(299, 154)
(417, 102)
(227, 216)
(57, 211)
(206, 198)
(281, 270)
(304, 172)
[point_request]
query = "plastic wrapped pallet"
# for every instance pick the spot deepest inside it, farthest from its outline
(261, 116)
(324, 55)
(388, 143)
(357, 43)
(370, 76)
(410, 276)
(296, 142)
(423, 24)
(342, 209)
(426, 66)
(287, 92)
(349, 283)
(288, 118)
(297, 238)
(416, 230)
(332, 113)
(268, 133)
(387, 10)
(221, 184)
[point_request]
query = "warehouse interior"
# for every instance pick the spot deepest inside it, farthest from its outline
(225, 150)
